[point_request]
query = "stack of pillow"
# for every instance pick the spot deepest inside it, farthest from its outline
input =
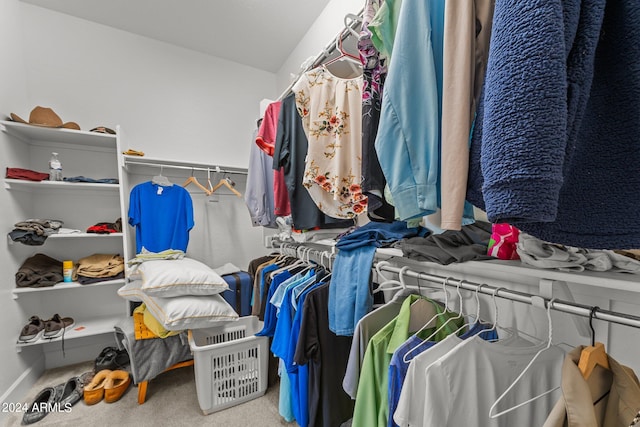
(180, 293)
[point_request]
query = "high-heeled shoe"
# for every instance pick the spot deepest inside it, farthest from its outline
(116, 385)
(94, 391)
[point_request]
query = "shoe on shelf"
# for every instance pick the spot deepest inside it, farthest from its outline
(56, 326)
(41, 405)
(116, 385)
(94, 391)
(69, 392)
(32, 331)
(111, 358)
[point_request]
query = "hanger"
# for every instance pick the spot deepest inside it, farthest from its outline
(161, 179)
(477, 315)
(433, 319)
(491, 414)
(351, 59)
(227, 182)
(349, 20)
(209, 185)
(454, 318)
(421, 309)
(193, 180)
(594, 354)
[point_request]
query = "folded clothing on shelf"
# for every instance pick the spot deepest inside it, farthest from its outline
(100, 266)
(90, 180)
(106, 227)
(26, 174)
(38, 271)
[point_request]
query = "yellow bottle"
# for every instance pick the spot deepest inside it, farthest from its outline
(67, 271)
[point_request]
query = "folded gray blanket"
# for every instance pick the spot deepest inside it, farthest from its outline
(149, 358)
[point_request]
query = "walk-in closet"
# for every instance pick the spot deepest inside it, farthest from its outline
(373, 213)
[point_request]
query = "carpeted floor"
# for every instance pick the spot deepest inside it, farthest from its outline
(171, 401)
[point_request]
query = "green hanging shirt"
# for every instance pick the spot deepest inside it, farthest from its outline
(372, 399)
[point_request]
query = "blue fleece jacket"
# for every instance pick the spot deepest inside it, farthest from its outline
(557, 129)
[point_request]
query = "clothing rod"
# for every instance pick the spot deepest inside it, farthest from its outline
(558, 305)
(324, 54)
(191, 168)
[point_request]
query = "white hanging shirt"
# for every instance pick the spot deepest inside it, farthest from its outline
(461, 386)
(410, 411)
(331, 111)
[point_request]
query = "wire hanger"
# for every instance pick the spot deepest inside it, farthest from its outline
(550, 338)
(476, 318)
(161, 179)
(441, 327)
(193, 180)
(593, 355)
(430, 322)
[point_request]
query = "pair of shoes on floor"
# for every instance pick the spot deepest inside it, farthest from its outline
(48, 329)
(111, 358)
(59, 398)
(107, 384)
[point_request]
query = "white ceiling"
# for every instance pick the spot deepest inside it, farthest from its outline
(258, 33)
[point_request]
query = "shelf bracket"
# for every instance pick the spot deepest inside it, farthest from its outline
(559, 289)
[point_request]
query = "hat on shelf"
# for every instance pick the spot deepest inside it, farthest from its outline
(45, 117)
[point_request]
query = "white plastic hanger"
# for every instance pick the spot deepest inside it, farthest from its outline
(519, 405)
(399, 284)
(349, 20)
(161, 179)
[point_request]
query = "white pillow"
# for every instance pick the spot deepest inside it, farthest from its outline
(131, 291)
(190, 311)
(185, 312)
(170, 278)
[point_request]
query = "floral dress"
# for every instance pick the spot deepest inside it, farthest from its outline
(331, 111)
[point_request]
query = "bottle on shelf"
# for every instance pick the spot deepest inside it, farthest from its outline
(67, 271)
(55, 168)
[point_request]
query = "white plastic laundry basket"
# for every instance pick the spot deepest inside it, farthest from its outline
(230, 363)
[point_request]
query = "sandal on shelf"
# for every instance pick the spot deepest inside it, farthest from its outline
(56, 326)
(33, 330)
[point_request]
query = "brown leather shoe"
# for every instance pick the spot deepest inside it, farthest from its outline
(94, 391)
(117, 384)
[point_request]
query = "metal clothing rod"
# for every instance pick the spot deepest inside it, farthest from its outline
(558, 305)
(324, 54)
(303, 252)
(191, 168)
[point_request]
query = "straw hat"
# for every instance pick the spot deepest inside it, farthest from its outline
(45, 117)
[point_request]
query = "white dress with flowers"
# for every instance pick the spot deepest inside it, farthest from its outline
(331, 111)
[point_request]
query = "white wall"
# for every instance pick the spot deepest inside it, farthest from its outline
(324, 29)
(12, 94)
(170, 103)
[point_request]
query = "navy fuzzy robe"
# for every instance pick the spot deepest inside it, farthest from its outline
(556, 144)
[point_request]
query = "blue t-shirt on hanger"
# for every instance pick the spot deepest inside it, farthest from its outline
(162, 216)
